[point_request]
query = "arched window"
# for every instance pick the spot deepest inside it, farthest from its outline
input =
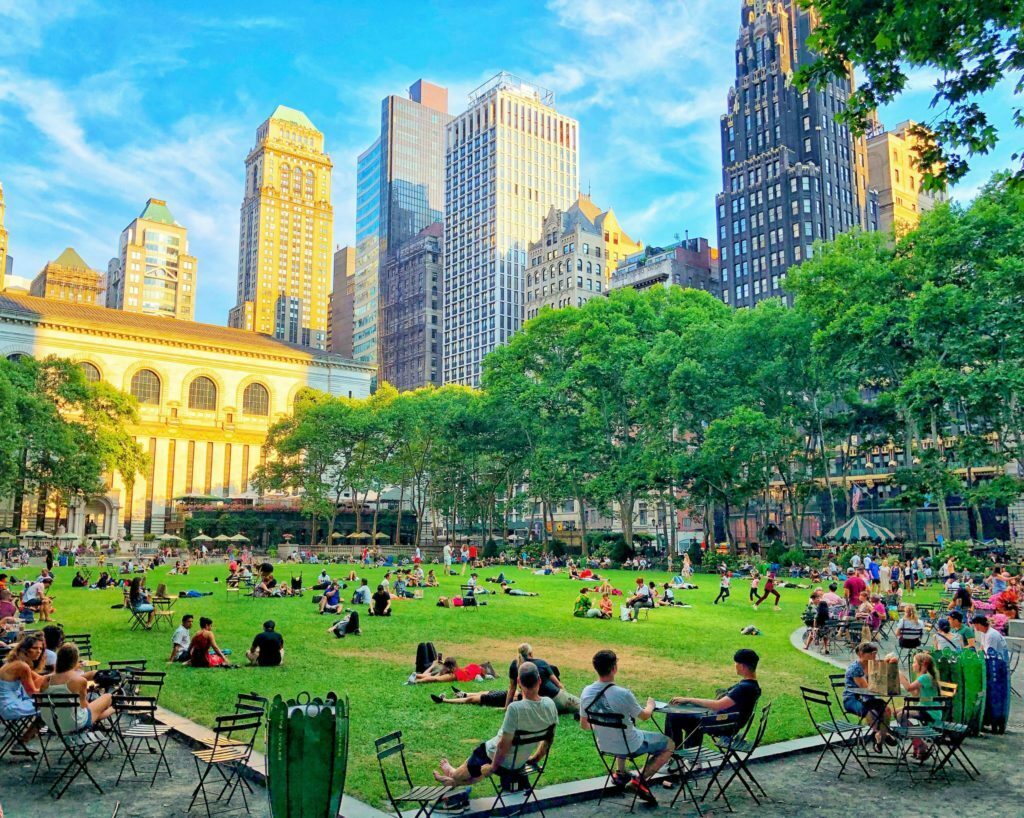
(146, 387)
(309, 184)
(256, 400)
(14, 357)
(92, 374)
(597, 269)
(589, 270)
(202, 394)
(579, 264)
(297, 182)
(286, 178)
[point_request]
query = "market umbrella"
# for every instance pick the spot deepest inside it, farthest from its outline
(35, 535)
(858, 528)
(380, 535)
(336, 535)
(238, 538)
(7, 535)
(359, 535)
(168, 537)
(202, 538)
(98, 537)
(67, 536)
(222, 538)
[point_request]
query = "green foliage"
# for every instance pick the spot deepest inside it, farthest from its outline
(794, 556)
(962, 557)
(970, 46)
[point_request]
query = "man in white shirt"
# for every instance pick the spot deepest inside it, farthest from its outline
(532, 714)
(447, 559)
(606, 697)
(181, 640)
(35, 598)
(988, 638)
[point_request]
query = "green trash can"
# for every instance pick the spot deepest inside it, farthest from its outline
(71, 560)
(307, 756)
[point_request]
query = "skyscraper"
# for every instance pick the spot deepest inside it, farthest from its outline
(893, 172)
(399, 192)
(68, 278)
(339, 329)
(3, 239)
(509, 158)
(154, 273)
(791, 174)
(285, 240)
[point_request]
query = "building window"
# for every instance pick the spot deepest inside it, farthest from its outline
(146, 387)
(92, 374)
(202, 394)
(256, 400)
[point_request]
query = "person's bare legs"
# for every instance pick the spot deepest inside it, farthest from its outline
(454, 776)
(101, 707)
(656, 762)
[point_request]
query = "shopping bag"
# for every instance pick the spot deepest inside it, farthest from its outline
(884, 678)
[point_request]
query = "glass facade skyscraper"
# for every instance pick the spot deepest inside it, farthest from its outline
(791, 174)
(509, 158)
(400, 191)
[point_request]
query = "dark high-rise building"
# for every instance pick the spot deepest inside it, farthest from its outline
(410, 316)
(400, 191)
(790, 173)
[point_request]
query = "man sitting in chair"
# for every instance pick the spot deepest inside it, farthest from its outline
(740, 698)
(605, 697)
(531, 714)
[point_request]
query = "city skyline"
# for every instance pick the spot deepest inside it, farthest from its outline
(73, 175)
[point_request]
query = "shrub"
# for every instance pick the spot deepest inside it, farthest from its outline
(963, 558)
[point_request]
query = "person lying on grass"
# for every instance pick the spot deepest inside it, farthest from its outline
(451, 672)
(530, 714)
(516, 591)
(345, 626)
(485, 698)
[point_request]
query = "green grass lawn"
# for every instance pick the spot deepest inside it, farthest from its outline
(677, 652)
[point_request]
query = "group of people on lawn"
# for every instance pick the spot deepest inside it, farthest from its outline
(535, 698)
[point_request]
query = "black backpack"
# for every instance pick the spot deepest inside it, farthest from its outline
(426, 655)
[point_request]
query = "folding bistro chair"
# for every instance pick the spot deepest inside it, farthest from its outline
(136, 619)
(688, 762)
(12, 732)
(469, 599)
(426, 799)
(234, 737)
(1015, 652)
(140, 734)
(78, 748)
(949, 745)
(522, 778)
(84, 643)
(127, 664)
(617, 722)
(919, 725)
(738, 752)
(836, 733)
(145, 683)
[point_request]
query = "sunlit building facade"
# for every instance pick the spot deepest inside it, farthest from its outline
(154, 275)
(3, 241)
(285, 242)
(207, 396)
(509, 159)
(893, 172)
(68, 278)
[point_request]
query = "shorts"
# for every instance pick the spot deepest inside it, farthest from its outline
(492, 698)
(653, 743)
(477, 760)
(861, 707)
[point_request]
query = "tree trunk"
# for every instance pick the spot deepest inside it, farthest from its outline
(398, 516)
(41, 507)
(584, 548)
(376, 513)
(626, 503)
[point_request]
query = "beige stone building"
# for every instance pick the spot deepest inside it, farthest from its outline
(3, 241)
(68, 278)
(207, 396)
(285, 242)
(893, 172)
(575, 257)
(154, 274)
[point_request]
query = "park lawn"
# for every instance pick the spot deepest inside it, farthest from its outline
(677, 652)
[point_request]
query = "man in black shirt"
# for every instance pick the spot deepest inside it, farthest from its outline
(268, 647)
(740, 698)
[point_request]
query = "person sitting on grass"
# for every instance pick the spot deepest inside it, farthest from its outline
(37, 600)
(871, 708)
(532, 714)
(510, 591)
(268, 584)
(68, 679)
(431, 579)
(380, 603)
(330, 602)
(78, 581)
(400, 590)
(551, 686)
(203, 643)
(606, 606)
(181, 640)
(581, 607)
(362, 595)
(346, 625)
(451, 672)
(322, 581)
(267, 648)
(605, 697)
(740, 698)
(604, 588)
(104, 581)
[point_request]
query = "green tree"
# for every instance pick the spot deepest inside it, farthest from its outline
(973, 45)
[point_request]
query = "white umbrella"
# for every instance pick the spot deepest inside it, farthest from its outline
(222, 538)
(202, 538)
(168, 537)
(67, 536)
(238, 538)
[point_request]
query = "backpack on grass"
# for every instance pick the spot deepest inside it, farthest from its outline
(426, 655)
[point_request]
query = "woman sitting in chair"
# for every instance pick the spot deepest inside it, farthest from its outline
(68, 679)
(139, 600)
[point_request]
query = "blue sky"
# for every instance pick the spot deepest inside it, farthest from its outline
(104, 104)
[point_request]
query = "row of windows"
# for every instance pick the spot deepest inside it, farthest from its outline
(202, 392)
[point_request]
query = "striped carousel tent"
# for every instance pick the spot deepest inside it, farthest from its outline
(858, 528)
